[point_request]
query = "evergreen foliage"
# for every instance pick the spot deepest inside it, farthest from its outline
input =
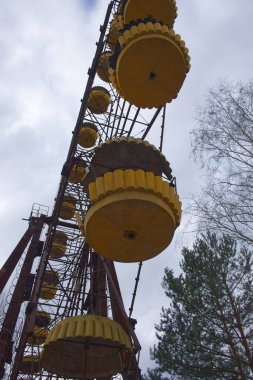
(207, 330)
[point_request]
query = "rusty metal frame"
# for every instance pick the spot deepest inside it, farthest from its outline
(9, 323)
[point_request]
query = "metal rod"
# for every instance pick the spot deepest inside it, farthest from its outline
(108, 121)
(92, 73)
(114, 121)
(137, 346)
(162, 128)
(126, 118)
(135, 289)
(120, 117)
(151, 123)
(68, 225)
(134, 120)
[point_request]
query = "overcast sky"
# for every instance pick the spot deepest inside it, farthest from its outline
(46, 47)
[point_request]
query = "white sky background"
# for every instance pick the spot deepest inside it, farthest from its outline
(46, 47)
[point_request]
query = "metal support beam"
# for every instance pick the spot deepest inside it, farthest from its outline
(71, 152)
(9, 323)
(151, 123)
(30, 314)
(10, 264)
(118, 300)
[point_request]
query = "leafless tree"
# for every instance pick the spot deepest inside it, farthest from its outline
(223, 143)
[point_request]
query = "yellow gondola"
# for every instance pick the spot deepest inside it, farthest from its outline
(51, 277)
(129, 152)
(151, 66)
(68, 207)
(59, 245)
(88, 135)
(48, 291)
(115, 25)
(99, 100)
(86, 346)
(77, 172)
(42, 318)
(126, 152)
(30, 364)
(133, 215)
(38, 337)
(103, 66)
(160, 10)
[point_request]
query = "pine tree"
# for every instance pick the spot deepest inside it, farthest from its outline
(207, 330)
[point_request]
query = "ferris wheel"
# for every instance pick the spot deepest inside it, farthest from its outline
(117, 202)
